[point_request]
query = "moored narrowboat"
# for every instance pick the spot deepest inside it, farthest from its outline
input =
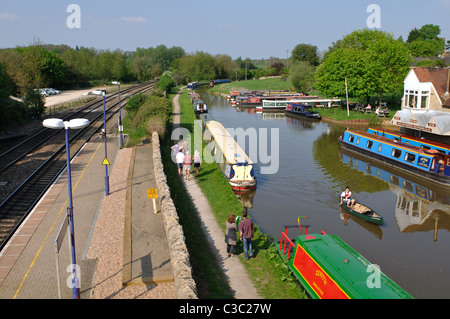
(328, 268)
(408, 139)
(199, 106)
(303, 110)
(273, 105)
(234, 163)
(428, 164)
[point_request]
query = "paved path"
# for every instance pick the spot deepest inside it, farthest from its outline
(232, 267)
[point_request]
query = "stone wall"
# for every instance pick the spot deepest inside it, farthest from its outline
(185, 286)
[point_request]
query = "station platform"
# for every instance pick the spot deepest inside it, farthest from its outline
(29, 262)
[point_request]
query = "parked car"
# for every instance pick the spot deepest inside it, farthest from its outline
(43, 92)
(53, 91)
(98, 91)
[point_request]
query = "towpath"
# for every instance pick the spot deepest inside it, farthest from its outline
(232, 267)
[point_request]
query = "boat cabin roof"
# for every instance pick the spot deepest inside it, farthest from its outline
(421, 140)
(233, 153)
(384, 140)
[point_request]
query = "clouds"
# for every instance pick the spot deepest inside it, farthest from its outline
(134, 19)
(8, 16)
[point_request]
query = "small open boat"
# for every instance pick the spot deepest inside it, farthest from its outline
(364, 212)
(328, 268)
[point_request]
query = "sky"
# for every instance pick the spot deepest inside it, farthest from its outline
(239, 28)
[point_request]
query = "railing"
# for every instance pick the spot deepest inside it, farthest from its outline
(285, 240)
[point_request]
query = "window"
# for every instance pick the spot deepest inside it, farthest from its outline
(424, 99)
(357, 141)
(380, 146)
(416, 99)
(396, 153)
(394, 179)
(410, 157)
(351, 138)
(369, 144)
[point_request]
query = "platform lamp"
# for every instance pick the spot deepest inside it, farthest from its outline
(120, 116)
(72, 124)
(102, 92)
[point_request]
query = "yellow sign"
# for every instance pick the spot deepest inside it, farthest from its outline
(105, 162)
(152, 192)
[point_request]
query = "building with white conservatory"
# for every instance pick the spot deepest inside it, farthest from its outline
(426, 101)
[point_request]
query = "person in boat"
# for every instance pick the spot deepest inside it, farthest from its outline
(346, 197)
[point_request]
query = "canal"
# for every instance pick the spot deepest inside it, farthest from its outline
(413, 245)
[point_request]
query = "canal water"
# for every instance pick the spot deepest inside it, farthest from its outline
(413, 245)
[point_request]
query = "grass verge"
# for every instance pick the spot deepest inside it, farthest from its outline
(269, 273)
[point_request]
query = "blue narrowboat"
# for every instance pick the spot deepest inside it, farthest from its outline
(193, 85)
(408, 139)
(215, 82)
(302, 110)
(428, 164)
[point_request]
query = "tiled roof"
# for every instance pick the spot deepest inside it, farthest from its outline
(439, 77)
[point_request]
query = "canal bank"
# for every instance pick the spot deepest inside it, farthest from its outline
(266, 272)
(238, 278)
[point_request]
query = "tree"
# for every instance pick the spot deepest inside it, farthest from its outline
(166, 82)
(306, 52)
(34, 102)
(425, 42)
(427, 32)
(5, 84)
(373, 62)
(301, 74)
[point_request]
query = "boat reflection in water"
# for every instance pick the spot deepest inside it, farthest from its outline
(246, 198)
(420, 206)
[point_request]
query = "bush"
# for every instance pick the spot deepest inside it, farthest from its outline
(157, 124)
(154, 106)
(166, 82)
(135, 102)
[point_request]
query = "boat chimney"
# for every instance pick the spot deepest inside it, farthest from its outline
(448, 80)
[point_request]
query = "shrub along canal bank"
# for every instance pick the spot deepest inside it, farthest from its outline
(268, 272)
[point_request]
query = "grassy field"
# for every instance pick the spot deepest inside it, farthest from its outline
(268, 272)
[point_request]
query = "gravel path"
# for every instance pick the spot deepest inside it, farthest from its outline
(107, 243)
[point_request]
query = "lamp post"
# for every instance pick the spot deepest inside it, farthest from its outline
(73, 124)
(106, 147)
(120, 117)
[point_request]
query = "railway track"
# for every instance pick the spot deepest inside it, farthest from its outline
(22, 199)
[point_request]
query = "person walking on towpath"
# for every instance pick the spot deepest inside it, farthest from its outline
(180, 158)
(230, 234)
(187, 161)
(247, 231)
(175, 148)
(197, 162)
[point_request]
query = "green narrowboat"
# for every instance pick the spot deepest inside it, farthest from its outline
(328, 268)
